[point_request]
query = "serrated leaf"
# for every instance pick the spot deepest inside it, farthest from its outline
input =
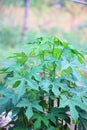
(83, 114)
(14, 99)
(8, 95)
(37, 124)
(51, 117)
(23, 103)
(58, 52)
(45, 121)
(42, 118)
(7, 92)
(45, 85)
(72, 103)
(3, 100)
(32, 84)
(60, 113)
(55, 90)
(34, 72)
(20, 90)
(73, 112)
(84, 122)
(51, 128)
(64, 64)
(29, 112)
(36, 105)
(12, 80)
(37, 77)
(76, 73)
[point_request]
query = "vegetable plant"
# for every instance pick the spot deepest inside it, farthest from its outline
(45, 86)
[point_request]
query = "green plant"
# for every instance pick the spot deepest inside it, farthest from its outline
(46, 86)
(9, 36)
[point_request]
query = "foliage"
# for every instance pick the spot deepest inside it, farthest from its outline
(35, 3)
(11, 2)
(45, 86)
(9, 36)
(77, 40)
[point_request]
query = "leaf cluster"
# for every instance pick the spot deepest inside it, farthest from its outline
(45, 86)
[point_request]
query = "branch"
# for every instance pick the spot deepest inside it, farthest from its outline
(80, 2)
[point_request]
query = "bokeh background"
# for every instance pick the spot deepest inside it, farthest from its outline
(64, 18)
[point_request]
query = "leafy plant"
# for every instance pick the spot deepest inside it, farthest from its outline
(46, 86)
(7, 35)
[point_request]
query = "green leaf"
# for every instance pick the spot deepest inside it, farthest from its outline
(60, 113)
(14, 99)
(51, 117)
(3, 70)
(51, 128)
(34, 72)
(37, 77)
(45, 121)
(78, 102)
(73, 112)
(16, 84)
(12, 81)
(20, 90)
(8, 95)
(45, 85)
(83, 115)
(3, 100)
(41, 118)
(32, 84)
(65, 64)
(37, 124)
(82, 118)
(55, 90)
(77, 74)
(29, 112)
(72, 103)
(23, 103)
(58, 52)
(20, 57)
(36, 105)
(66, 102)
(83, 123)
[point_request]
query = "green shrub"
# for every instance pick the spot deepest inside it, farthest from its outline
(9, 36)
(45, 87)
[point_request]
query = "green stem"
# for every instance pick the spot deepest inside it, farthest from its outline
(54, 66)
(53, 50)
(58, 103)
(54, 71)
(61, 53)
(43, 58)
(50, 103)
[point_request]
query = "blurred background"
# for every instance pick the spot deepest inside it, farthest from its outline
(20, 20)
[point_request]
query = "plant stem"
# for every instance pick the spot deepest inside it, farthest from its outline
(54, 71)
(50, 103)
(54, 65)
(59, 58)
(44, 66)
(61, 53)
